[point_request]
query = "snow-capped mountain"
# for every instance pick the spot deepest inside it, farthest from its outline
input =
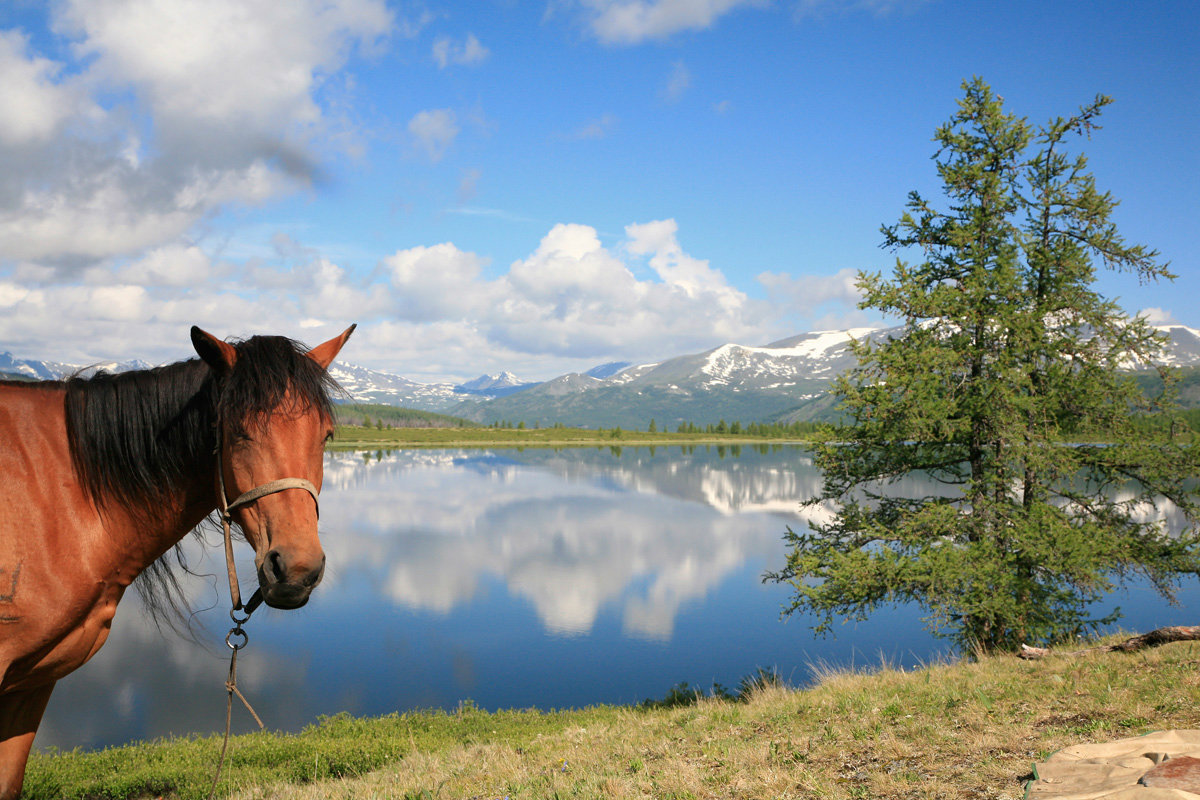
(494, 385)
(1183, 348)
(733, 382)
(55, 370)
(788, 379)
(364, 385)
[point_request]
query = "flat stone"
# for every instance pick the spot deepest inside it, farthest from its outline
(1181, 772)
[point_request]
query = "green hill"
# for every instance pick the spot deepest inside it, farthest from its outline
(395, 417)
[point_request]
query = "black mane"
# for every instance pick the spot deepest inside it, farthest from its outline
(139, 437)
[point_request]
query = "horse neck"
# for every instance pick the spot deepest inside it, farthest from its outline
(143, 445)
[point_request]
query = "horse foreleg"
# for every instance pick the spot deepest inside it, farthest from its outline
(20, 713)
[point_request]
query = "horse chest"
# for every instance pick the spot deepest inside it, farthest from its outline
(52, 649)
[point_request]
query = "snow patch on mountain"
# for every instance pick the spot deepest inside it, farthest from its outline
(505, 380)
(55, 370)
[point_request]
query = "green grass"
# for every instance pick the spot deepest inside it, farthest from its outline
(954, 730)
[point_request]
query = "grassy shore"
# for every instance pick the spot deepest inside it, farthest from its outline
(961, 730)
(351, 437)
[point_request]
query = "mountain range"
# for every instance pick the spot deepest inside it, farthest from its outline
(784, 380)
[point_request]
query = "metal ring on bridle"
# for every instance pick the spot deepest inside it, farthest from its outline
(237, 632)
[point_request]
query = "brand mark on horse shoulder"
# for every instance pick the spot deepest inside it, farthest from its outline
(12, 588)
(12, 592)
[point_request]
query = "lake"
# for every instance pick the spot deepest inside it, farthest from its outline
(512, 579)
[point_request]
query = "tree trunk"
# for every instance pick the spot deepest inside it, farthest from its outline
(1159, 636)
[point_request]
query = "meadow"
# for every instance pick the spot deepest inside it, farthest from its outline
(964, 729)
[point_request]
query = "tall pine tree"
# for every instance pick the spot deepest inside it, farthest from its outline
(1009, 369)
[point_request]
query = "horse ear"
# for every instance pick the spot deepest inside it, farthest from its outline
(221, 356)
(324, 354)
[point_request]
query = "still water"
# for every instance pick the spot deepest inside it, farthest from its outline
(513, 579)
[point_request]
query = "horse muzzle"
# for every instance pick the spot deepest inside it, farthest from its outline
(287, 583)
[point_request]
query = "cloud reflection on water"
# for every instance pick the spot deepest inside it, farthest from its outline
(569, 531)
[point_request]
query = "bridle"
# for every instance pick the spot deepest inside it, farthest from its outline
(246, 498)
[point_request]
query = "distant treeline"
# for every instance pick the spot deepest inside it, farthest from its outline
(1181, 423)
(767, 430)
(380, 416)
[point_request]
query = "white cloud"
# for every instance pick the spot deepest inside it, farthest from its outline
(1158, 316)
(436, 283)
(428, 312)
(11, 294)
(677, 269)
(176, 265)
(35, 107)
(168, 110)
(246, 65)
(434, 131)
(447, 52)
(121, 303)
(634, 21)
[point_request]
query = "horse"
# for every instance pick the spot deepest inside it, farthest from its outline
(101, 477)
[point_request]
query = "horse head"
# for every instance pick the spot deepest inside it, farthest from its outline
(273, 417)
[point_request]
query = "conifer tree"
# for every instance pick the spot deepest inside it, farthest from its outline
(1008, 371)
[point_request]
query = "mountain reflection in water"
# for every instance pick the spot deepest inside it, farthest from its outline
(514, 578)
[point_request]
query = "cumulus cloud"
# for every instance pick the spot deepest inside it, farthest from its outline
(430, 312)
(35, 106)
(166, 112)
(818, 302)
(470, 51)
(694, 277)
(433, 132)
(435, 283)
(1158, 316)
(627, 22)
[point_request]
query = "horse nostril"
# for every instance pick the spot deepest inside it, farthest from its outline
(274, 567)
(314, 576)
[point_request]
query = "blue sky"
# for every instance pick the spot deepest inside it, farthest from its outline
(534, 186)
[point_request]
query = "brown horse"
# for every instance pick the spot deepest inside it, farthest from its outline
(99, 478)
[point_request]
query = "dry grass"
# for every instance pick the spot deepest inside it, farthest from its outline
(969, 730)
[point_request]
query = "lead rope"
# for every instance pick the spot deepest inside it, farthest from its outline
(236, 632)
